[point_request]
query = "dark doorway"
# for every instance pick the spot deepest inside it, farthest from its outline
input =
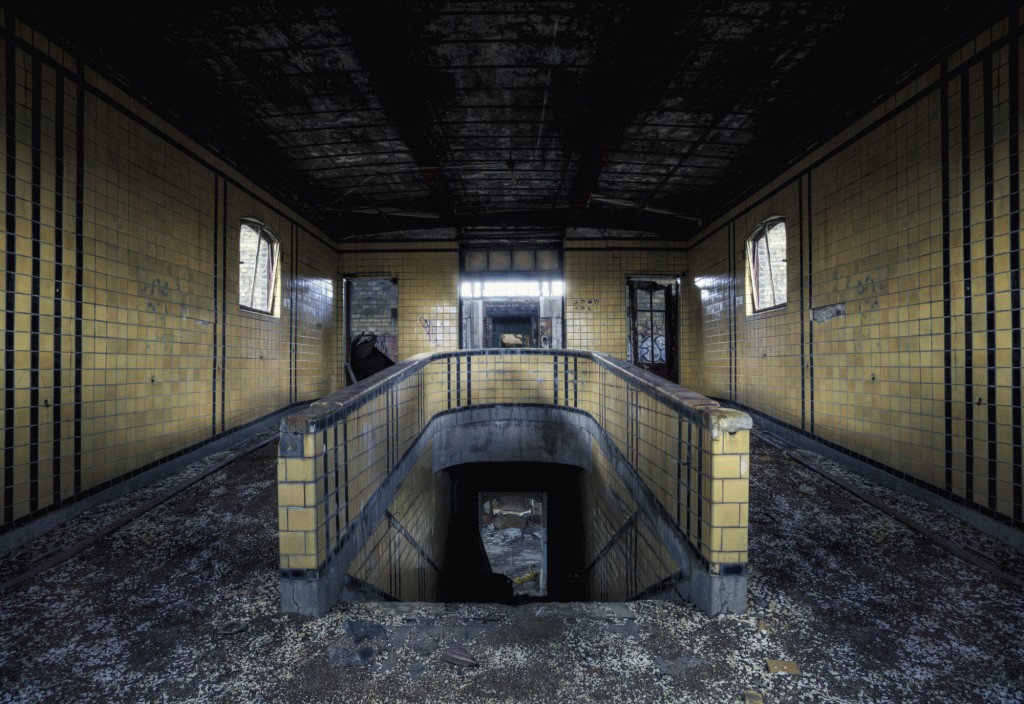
(371, 314)
(653, 326)
(512, 331)
(468, 572)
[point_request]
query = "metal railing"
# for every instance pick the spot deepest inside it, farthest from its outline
(680, 459)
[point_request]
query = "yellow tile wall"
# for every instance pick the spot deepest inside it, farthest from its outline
(428, 279)
(869, 227)
(595, 288)
(155, 356)
(388, 560)
(624, 563)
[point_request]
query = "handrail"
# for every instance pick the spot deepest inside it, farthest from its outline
(679, 457)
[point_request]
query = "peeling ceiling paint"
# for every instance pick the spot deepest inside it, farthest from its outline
(388, 116)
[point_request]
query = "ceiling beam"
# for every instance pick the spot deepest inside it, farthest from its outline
(385, 40)
(638, 55)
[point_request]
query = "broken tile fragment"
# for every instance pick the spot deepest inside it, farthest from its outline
(786, 667)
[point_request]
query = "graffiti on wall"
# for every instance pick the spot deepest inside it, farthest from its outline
(433, 329)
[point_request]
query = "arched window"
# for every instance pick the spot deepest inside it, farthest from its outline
(257, 267)
(766, 264)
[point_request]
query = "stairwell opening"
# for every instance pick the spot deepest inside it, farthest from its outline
(535, 504)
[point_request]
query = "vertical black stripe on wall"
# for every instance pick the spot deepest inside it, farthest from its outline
(554, 380)
(216, 300)
(293, 287)
(810, 302)
(733, 313)
(803, 309)
(223, 305)
(565, 379)
(990, 292)
(58, 284)
(947, 279)
(291, 316)
(79, 263)
(37, 177)
(965, 197)
(458, 382)
(11, 275)
(1015, 343)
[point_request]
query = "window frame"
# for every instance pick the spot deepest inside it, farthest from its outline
(273, 272)
(754, 266)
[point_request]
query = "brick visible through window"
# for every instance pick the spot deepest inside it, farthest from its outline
(257, 267)
(766, 262)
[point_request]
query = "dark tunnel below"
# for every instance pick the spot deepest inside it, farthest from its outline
(478, 493)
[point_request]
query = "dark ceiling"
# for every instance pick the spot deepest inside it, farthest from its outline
(381, 117)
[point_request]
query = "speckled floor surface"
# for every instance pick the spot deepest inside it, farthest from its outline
(180, 605)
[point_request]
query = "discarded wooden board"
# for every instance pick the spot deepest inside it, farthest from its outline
(752, 696)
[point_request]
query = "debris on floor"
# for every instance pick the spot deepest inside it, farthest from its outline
(785, 667)
(873, 611)
(457, 655)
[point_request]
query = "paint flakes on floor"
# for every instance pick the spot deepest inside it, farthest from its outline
(181, 605)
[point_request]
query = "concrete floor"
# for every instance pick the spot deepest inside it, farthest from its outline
(180, 605)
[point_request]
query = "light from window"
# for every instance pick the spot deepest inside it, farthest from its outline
(766, 262)
(511, 289)
(257, 267)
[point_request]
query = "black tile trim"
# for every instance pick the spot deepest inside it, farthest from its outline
(11, 275)
(575, 381)
(337, 478)
(861, 134)
(157, 131)
(79, 264)
(618, 535)
(965, 198)
(1015, 272)
(223, 307)
(34, 320)
(570, 248)
(689, 475)
(403, 531)
(216, 298)
(910, 479)
(565, 379)
(326, 474)
(417, 250)
(947, 279)
(58, 291)
(679, 469)
(803, 309)
(293, 317)
(731, 307)
(458, 381)
(810, 300)
(660, 587)
(80, 495)
(700, 492)
(344, 431)
(554, 379)
(990, 292)
(350, 582)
